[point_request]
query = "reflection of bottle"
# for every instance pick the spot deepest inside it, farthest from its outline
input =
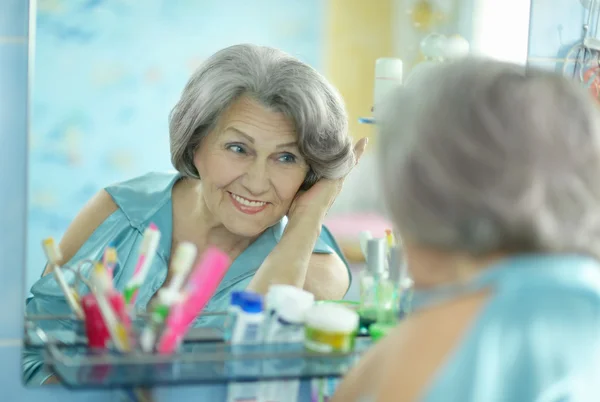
(370, 282)
(247, 331)
(388, 76)
(391, 289)
(232, 311)
(286, 326)
(406, 294)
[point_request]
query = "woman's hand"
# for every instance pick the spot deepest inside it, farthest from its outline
(318, 199)
(292, 258)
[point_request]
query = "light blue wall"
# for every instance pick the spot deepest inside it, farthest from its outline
(13, 162)
(555, 27)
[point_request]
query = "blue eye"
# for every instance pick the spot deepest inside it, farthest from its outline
(238, 149)
(287, 158)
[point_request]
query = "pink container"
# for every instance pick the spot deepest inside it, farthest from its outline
(95, 328)
(201, 286)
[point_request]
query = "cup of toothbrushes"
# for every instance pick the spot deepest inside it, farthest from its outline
(330, 328)
(98, 334)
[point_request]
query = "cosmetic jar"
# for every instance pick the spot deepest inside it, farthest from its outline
(330, 328)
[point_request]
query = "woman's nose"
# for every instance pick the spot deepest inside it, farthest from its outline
(256, 180)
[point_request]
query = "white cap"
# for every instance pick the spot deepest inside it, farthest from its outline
(292, 307)
(389, 68)
(331, 317)
(277, 292)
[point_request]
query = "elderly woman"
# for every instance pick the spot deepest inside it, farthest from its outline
(492, 179)
(261, 146)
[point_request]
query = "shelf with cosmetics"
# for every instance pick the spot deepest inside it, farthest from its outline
(197, 363)
(203, 357)
(285, 335)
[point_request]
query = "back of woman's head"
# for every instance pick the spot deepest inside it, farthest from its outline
(481, 157)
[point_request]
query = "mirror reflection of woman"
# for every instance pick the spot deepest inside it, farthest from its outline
(492, 180)
(261, 147)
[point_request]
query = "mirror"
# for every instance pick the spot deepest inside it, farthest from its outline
(107, 75)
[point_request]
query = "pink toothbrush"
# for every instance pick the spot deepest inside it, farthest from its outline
(200, 288)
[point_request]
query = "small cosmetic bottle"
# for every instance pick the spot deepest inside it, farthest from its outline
(391, 289)
(370, 281)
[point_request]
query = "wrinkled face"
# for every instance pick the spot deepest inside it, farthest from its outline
(250, 167)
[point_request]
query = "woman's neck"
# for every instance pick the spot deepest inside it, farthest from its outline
(431, 268)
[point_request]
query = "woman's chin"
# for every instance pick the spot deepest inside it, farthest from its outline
(244, 228)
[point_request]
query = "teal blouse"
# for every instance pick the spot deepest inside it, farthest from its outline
(537, 338)
(141, 201)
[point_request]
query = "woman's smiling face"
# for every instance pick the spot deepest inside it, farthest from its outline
(250, 167)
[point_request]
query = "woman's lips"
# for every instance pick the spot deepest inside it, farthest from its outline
(246, 206)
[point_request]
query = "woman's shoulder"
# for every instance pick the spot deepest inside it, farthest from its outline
(141, 197)
(539, 332)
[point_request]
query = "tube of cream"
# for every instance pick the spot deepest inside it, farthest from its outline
(201, 286)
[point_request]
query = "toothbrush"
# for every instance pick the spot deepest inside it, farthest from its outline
(203, 283)
(102, 288)
(146, 256)
(183, 260)
(391, 242)
(110, 259)
(364, 238)
(54, 255)
(389, 236)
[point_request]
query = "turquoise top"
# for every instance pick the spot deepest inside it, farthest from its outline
(537, 338)
(141, 201)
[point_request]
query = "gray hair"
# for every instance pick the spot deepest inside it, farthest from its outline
(482, 156)
(281, 83)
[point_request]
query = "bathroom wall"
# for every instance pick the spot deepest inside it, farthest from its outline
(13, 205)
(107, 73)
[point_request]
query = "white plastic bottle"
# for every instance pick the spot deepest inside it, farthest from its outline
(286, 326)
(370, 280)
(247, 331)
(272, 301)
(232, 312)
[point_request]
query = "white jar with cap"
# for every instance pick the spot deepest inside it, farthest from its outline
(274, 299)
(330, 328)
(286, 326)
(287, 320)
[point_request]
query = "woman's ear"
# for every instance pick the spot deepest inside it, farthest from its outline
(309, 181)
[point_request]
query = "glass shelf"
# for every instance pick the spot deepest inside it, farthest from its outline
(202, 359)
(70, 331)
(197, 363)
